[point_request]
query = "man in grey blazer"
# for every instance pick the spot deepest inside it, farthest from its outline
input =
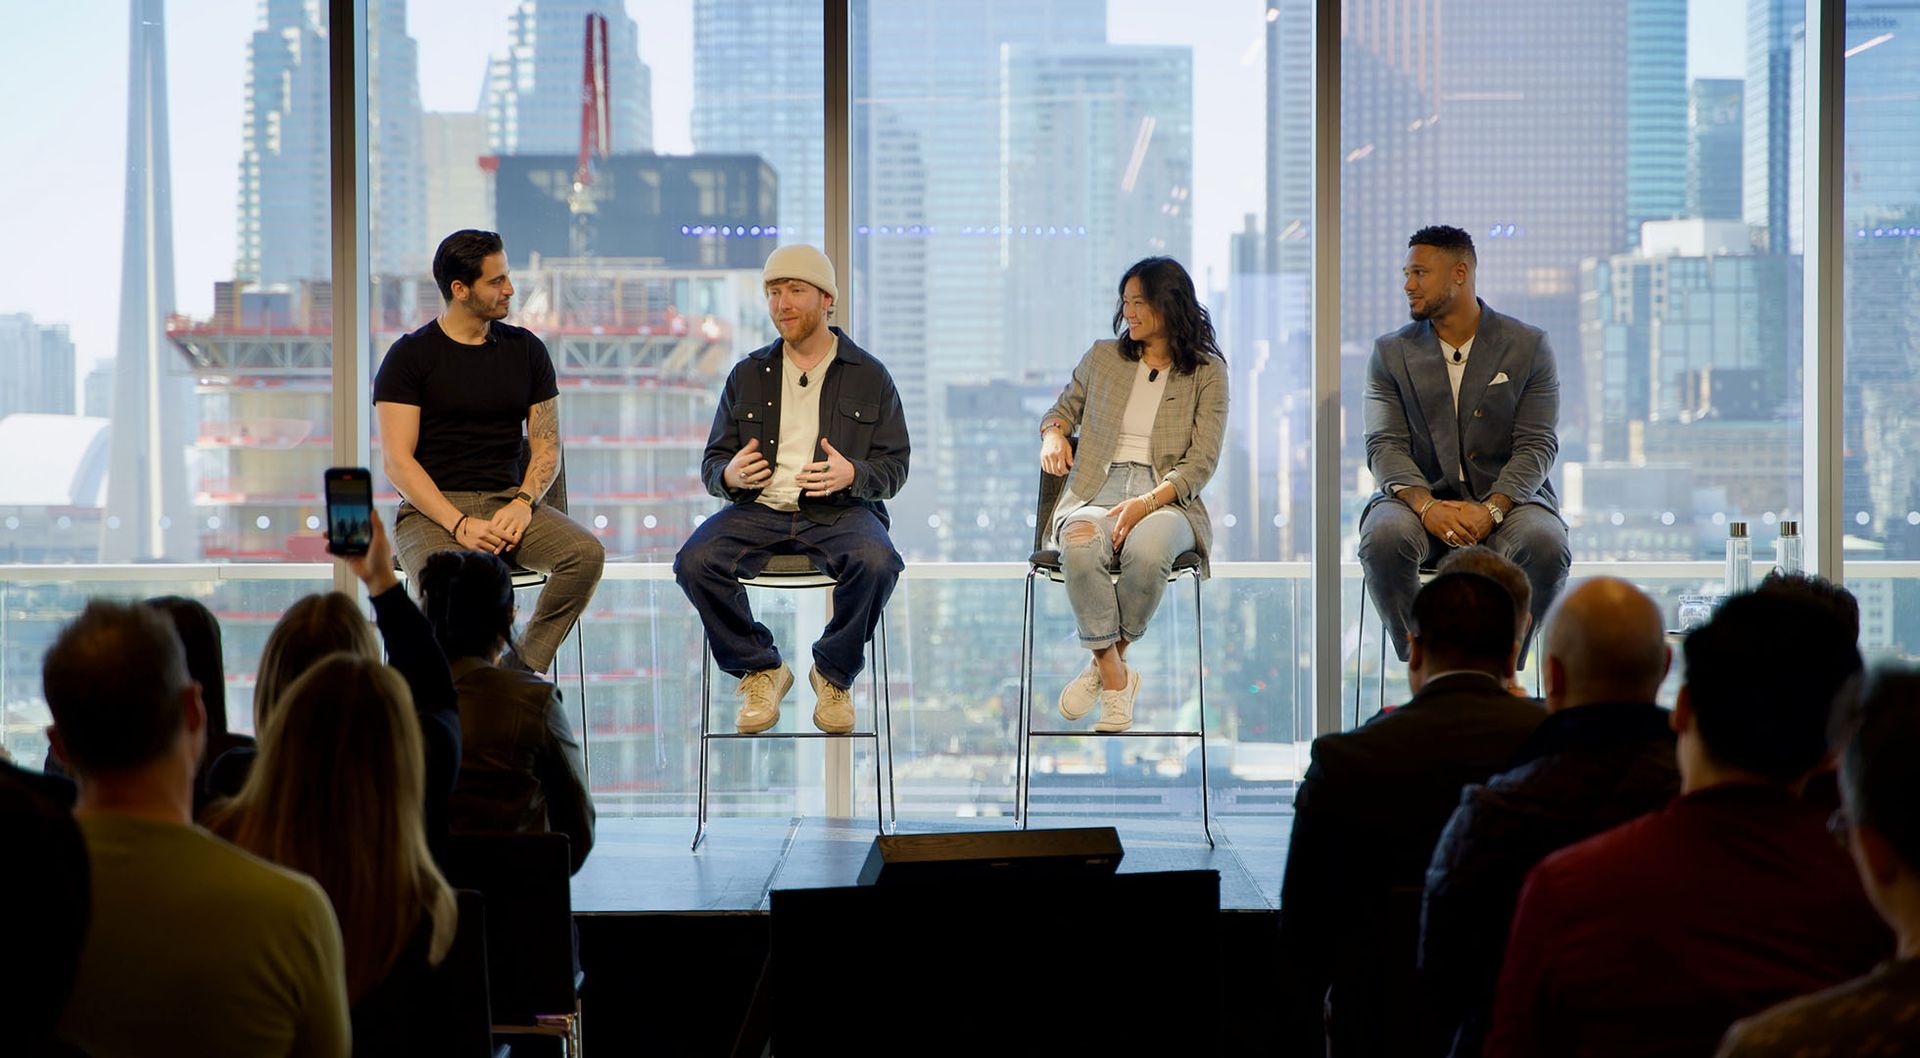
(1463, 406)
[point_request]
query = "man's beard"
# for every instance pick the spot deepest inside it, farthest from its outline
(1431, 307)
(807, 326)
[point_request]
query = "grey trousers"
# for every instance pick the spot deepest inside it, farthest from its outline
(554, 544)
(1394, 545)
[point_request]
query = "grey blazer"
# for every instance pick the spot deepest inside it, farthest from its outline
(1187, 434)
(1504, 434)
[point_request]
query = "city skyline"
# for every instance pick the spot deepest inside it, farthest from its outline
(79, 240)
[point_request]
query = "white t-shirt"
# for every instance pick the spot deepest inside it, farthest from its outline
(1456, 359)
(799, 430)
(1136, 424)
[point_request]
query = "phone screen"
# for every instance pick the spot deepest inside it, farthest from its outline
(349, 511)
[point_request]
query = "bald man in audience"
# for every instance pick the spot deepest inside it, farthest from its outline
(1604, 755)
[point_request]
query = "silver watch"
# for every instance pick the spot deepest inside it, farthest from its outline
(1498, 514)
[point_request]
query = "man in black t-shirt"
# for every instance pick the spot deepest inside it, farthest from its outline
(451, 399)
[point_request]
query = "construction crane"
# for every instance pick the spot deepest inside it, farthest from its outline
(596, 131)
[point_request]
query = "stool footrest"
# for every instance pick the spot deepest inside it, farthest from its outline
(1037, 733)
(790, 734)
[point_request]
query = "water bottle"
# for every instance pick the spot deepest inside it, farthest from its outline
(1739, 558)
(1787, 548)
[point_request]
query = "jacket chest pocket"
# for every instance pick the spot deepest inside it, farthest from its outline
(750, 423)
(855, 420)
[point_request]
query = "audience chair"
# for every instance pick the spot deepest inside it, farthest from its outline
(527, 885)
(461, 986)
(1045, 562)
(794, 572)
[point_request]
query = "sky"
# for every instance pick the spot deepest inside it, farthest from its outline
(63, 70)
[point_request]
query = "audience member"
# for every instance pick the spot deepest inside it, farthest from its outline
(1653, 937)
(199, 633)
(520, 768)
(1603, 755)
(1366, 817)
(1490, 563)
(336, 793)
(1880, 788)
(48, 888)
(322, 624)
(195, 947)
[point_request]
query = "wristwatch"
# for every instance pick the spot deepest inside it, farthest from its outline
(1498, 514)
(532, 503)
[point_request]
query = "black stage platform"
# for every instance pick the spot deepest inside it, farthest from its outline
(673, 941)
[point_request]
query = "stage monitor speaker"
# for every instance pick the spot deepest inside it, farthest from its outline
(1072, 853)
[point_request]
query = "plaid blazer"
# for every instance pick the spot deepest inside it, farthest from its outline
(1187, 431)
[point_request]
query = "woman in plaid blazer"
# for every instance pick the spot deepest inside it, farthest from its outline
(1150, 409)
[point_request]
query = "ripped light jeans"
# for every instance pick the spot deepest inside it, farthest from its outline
(1105, 609)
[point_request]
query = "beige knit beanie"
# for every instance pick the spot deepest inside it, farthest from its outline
(801, 261)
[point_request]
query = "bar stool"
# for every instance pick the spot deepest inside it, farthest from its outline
(1046, 562)
(792, 572)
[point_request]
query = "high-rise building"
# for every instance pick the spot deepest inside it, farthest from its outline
(36, 367)
(285, 176)
(1098, 174)
(1714, 127)
(1422, 109)
(932, 218)
(1881, 218)
(1289, 225)
(1764, 179)
(147, 514)
(532, 98)
(459, 193)
(758, 84)
(683, 211)
(1691, 348)
(1656, 83)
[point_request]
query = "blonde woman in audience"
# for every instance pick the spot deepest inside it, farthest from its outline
(322, 624)
(336, 793)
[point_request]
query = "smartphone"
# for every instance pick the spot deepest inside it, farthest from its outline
(349, 492)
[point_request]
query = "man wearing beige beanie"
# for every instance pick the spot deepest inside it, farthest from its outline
(808, 442)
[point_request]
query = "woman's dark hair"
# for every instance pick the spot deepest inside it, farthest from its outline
(461, 257)
(200, 635)
(469, 601)
(1169, 292)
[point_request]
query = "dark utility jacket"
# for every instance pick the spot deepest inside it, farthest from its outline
(860, 413)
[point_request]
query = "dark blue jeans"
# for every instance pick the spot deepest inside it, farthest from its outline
(737, 542)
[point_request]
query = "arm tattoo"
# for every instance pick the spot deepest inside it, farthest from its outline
(543, 436)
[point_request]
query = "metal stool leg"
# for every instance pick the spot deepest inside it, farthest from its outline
(1206, 778)
(1359, 651)
(580, 657)
(706, 707)
(886, 692)
(873, 702)
(1023, 757)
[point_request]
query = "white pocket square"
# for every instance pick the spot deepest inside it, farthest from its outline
(1499, 378)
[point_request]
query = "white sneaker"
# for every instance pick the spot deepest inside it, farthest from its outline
(760, 694)
(1078, 696)
(1116, 707)
(832, 706)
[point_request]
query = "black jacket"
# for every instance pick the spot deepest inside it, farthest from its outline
(860, 413)
(1586, 769)
(1365, 820)
(520, 768)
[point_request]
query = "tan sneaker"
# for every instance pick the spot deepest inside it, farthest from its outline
(1080, 693)
(760, 694)
(833, 707)
(1116, 707)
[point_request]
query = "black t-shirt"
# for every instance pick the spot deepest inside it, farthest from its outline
(472, 399)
